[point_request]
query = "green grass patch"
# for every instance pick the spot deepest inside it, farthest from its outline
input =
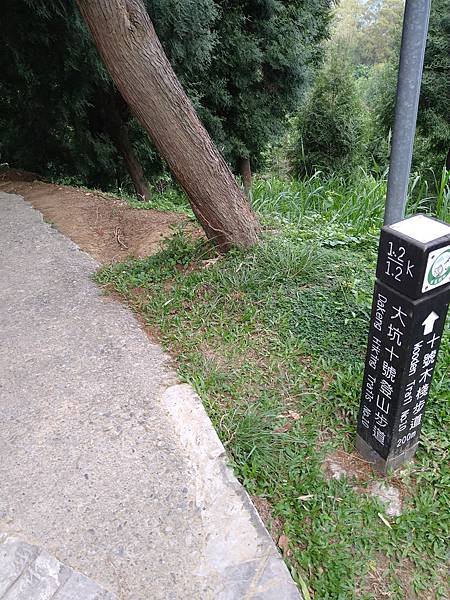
(172, 199)
(333, 211)
(273, 340)
(283, 328)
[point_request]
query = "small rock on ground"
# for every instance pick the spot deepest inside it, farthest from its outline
(388, 495)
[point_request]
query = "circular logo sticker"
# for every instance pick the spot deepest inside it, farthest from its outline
(440, 268)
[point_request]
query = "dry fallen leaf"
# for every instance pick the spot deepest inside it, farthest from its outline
(293, 415)
(284, 428)
(289, 415)
(210, 261)
(385, 521)
(283, 544)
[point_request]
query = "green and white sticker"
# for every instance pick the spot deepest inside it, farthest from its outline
(437, 272)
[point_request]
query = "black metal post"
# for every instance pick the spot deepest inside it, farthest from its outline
(414, 37)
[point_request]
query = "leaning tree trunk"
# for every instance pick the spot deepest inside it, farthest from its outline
(246, 174)
(132, 52)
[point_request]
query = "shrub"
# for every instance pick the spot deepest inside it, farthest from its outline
(332, 123)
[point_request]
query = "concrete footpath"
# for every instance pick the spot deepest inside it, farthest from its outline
(113, 483)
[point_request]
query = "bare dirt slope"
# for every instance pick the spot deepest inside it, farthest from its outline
(105, 227)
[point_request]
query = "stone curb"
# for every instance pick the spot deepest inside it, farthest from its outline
(239, 557)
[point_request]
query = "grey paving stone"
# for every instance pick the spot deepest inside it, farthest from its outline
(106, 462)
(78, 586)
(30, 573)
(14, 557)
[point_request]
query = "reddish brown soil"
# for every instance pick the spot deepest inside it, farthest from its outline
(105, 227)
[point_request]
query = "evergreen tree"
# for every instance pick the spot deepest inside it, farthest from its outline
(243, 65)
(55, 89)
(131, 51)
(42, 90)
(431, 146)
(332, 123)
(433, 125)
(261, 63)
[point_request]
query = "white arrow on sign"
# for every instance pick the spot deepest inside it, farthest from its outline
(428, 324)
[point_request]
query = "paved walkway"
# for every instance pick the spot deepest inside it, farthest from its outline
(108, 466)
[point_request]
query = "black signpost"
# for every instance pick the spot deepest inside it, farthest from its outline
(410, 303)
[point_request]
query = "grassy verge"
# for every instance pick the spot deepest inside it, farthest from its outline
(273, 340)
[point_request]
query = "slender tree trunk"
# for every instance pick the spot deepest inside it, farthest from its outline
(246, 174)
(129, 46)
(110, 115)
(121, 141)
(447, 161)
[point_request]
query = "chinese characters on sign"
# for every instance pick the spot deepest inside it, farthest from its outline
(405, 331)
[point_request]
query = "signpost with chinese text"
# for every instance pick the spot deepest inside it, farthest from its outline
(409, 308)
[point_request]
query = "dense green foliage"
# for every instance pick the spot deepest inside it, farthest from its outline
(332, 123)
(243, 64)
(433, 126)
(432, 143)
(263, 59)
(42, 94)
(334, 131)
(273, 340)
(60, 111)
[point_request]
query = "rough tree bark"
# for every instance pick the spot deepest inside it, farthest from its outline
(246, 174)
(132, 52)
